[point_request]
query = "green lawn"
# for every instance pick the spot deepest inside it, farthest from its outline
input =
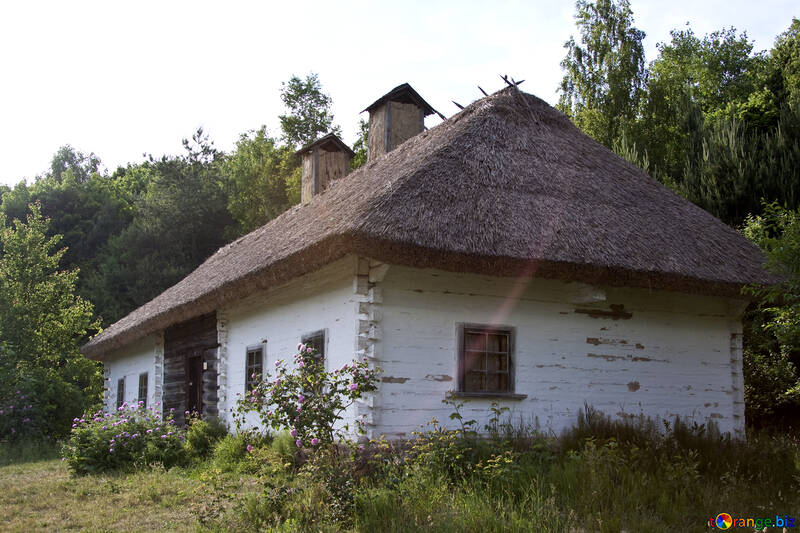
(42, 496)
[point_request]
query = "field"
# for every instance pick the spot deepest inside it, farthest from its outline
(600, 477)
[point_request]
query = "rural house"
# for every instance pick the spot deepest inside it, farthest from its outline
(502, 256)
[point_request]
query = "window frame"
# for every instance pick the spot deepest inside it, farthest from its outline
(120, 392)
(249, 382)
(461, 330)
(321, 355)
(143, 398)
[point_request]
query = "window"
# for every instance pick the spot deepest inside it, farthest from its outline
(317, 341)
(254, 366)
(486, 359)
(143, 389)
(120, 392)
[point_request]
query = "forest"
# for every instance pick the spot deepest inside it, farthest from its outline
(710, 117)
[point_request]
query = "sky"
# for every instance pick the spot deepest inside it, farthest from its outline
(124, 79)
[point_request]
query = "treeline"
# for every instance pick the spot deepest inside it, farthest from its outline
(710, 117)
(140, 229)
(719, 123)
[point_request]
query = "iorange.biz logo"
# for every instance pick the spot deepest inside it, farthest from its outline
(727, 521)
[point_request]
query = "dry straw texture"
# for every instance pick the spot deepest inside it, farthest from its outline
(507, 187)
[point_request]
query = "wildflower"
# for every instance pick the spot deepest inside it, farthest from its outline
(299, 409)
(249, 448)
(293, 432)
(301, 364)
(163, 436)
(111, 450)
(353, 386)
(300, 398)
(309, 349)
(314, 441)
(299, 443)
(300, 346)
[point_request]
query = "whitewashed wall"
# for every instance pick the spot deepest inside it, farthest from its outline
(672, 357)
(324, 300)
(128, 363)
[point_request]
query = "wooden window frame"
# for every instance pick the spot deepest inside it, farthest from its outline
(461, 330)
(250, 369)
(308, 337)
(120, 392)
(143, 397)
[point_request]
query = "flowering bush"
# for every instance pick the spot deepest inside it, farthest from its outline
(18, 417)
(307, 400)
(132, 436)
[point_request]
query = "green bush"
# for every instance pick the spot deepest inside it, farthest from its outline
(129, 438)
(203, 434)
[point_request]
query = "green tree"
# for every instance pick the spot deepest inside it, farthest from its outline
(180, 219)
(361, 145)
(772, 355)
(309, 114)
(42, 322)
(604, 74)
(262, 175)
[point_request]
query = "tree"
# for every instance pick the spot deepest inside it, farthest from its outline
(361, 145)
(262, 175)
(309, 111)
(42, 322)
(605, 74)
(772, 351)
(180, 219)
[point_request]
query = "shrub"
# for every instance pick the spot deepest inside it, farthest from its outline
(203, 434)
(308, 400)
(131, 437)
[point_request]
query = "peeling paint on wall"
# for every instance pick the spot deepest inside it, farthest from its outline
(392, 379)
(616, 312)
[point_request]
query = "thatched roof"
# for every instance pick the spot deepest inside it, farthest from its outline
(406, 94)
(330, 142)
(507, 187)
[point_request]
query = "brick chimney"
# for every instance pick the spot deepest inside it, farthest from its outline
(323, 161)
(394, 118)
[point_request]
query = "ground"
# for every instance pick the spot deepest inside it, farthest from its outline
(41, 496)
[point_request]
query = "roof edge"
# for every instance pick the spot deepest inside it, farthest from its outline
(337, 246)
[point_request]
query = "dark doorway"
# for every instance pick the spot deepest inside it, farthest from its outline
(194, 383)
(190, 368)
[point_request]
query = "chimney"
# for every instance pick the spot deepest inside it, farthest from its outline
(394, 118)
(323, 161)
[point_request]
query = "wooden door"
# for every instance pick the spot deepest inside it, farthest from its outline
(194, 383)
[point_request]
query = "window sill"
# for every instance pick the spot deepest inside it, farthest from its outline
(494, 395)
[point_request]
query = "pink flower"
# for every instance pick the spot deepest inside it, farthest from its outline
(249, 448)
(299, 443)
(309, 349)
(314, 441)
(300, 398)
(293, 432)
(353, 386)
(300, 346)
(301, 364)
(299, 409)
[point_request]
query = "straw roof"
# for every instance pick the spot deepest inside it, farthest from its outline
(330, 142)
(507, 187)
(406, 94)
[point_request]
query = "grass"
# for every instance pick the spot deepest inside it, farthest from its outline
(602, 476)
(42, 496)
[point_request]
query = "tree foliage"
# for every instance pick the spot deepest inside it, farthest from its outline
(308, 108)
(773, 347)
(605, 74)
(42, 322)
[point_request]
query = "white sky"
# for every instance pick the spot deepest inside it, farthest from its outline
(123, 78)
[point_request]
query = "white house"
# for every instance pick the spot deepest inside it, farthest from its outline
(500, 256)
